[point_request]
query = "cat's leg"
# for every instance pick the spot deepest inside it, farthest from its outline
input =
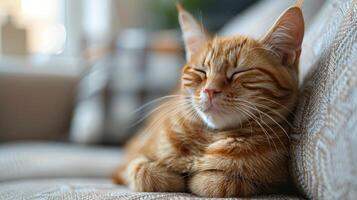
(214, 183)
(145, 175)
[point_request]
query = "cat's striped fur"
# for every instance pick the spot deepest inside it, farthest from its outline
(225, 133)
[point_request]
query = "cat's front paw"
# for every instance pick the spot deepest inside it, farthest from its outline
(216, 183)
(148, 176)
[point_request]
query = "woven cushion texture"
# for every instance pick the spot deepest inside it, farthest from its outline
(63, 171)
(89, 189)
(324, 161)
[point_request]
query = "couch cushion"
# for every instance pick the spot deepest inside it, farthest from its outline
(48, 160)
(39, 171)
(86, 189)
(324, 159)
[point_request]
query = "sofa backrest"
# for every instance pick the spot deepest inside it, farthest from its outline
(324, 159)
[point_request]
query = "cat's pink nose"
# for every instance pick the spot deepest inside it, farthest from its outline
(211, 92)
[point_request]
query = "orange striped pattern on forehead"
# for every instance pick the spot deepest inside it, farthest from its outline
(223, 53)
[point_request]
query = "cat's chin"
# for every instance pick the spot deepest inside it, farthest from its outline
(219, 120)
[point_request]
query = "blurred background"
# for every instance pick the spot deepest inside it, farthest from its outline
(76, 70)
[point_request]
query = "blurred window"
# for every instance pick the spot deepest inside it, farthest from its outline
(43, 20)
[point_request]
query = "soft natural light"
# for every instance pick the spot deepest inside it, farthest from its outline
(46, 34)
(39, 9)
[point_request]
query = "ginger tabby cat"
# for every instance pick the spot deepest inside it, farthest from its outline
(225, 132)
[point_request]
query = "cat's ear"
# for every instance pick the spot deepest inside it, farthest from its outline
(286, 35)
(194, 35)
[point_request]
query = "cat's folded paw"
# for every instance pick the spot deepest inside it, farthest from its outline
(148, 176)
(219, 184)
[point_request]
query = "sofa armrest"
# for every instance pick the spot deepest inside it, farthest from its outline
(36, 102)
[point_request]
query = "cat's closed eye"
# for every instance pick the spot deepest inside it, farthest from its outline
(239, 72)
(200, 71)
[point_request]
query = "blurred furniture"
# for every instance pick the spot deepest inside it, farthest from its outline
(323, 159)
(144, 65)
(37, 97)
(143, 70)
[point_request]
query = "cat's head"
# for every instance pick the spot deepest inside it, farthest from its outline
(232, 79)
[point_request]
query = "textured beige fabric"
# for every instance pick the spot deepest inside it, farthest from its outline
(95, 189)
(51, 160)
(38, 171)
(324, 159)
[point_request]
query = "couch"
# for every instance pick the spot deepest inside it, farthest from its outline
(324, 141)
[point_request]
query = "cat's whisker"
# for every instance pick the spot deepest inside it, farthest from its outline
(191, 113)
(269, 126)
(261, 119)
(266, 134)
(279, 104)
(255, 104)
(268, 99)
(157, 100)
(269, 118)
(269, 137)
(276, 113)
(155, 110)
(164, 115)
(160, 107)
(252, 116)
(271, 110)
